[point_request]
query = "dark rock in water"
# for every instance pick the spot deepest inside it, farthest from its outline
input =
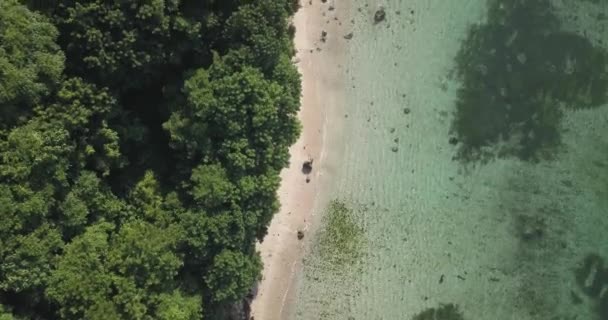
(407, 110)
(307, 179)
(307, 166)
(530, 228)
(348, 36)
(575, 298)
(331, 8)
(531, 233)
(453, 141)
(443, 312)
(394, 149)
(323, 36)
(300, 234)
(380, 15)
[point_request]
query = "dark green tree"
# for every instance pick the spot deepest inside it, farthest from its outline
(120, 43)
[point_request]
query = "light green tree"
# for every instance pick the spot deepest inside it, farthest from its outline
(30, 60)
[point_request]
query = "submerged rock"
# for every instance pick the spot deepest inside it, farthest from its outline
(300, 234)
(531, 228)
(448, 311)
(348, 36)
(380, 15)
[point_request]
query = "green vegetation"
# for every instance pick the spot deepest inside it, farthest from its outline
(140, 146)
(443, 312)
(519, 72)
(342, 239)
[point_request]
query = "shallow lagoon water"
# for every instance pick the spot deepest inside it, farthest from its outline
(474, 161)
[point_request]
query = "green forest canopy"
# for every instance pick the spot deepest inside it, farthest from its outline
(140, 147)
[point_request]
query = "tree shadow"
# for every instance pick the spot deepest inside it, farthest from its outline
(519, 72)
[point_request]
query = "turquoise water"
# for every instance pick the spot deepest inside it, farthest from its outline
(475, 162)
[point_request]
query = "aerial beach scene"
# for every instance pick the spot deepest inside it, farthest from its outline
(304, 160)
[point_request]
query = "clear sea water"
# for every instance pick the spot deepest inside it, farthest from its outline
(509, 219)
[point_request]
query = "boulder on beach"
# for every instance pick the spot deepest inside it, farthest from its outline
(307, 166)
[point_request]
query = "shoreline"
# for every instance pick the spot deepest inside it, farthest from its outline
(319, 63)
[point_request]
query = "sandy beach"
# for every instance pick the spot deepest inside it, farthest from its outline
(322, 87)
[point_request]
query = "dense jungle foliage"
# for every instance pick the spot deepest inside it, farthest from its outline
(140, 147)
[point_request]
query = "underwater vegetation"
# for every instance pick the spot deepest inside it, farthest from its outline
(342, 238)
(443, 312)
(519, 73)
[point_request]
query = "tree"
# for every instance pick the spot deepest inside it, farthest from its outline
(149, 202)
(262, 28)
(126, 274)
(232, 275)
(29, 258)
(30, 60)
(120, 43)
(85, 112)
(35, 153)
(90, 201)
(234, 117)
(210, 186)
(81, 280)
(146, 253)
(177, 306)
(5, 315)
